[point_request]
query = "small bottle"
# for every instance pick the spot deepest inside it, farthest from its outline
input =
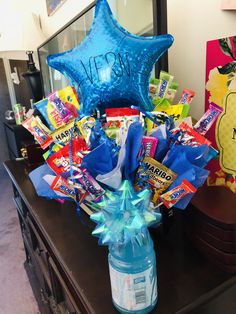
(19, 113)
(133, 276)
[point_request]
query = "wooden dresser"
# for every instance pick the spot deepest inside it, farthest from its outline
(70, 268)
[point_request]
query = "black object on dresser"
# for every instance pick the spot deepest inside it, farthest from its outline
(15, 134)
(72, 270)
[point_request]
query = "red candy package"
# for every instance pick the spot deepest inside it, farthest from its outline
(63, 186)
(192, 137)
(115, 116)
(35, 126)
(60, 161)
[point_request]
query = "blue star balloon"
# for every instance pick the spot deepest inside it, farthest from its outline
(111, 67)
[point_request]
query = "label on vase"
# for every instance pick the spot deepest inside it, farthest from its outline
(133, 291)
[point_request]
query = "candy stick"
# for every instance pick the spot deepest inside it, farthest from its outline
(187, 96)
(173, 196)
(207, 120)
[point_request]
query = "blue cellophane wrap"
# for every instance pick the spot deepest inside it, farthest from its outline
(41, 186)
(185, 170)
(99, 160)
(98, 137)
(195, 155)
(132, 148)
(162, 134)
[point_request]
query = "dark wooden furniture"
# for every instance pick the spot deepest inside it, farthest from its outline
(15, 134)
(72, 271)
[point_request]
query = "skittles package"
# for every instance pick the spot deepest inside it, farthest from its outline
(57, 110)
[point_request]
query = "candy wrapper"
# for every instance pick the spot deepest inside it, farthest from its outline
(207, 120)
(171, 92)
(65, 133)
(57, 110)
(85, 125)
(173, 196)
(149, 145)
(61, 185)
(187, 96)
(156, 175)
(158, 150)
(90, 185)
(119, 117)
(60, 162)
(41, 134)
(165, 81)
(186, 135)
(153, 86)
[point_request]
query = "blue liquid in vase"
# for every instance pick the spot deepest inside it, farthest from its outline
(133, 276)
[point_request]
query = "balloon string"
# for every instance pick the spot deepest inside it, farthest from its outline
(77, 200)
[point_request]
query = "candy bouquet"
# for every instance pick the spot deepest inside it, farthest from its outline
(119, 144)
(91, 156)
(123, 165)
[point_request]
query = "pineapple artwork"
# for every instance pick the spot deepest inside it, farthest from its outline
(221, 89)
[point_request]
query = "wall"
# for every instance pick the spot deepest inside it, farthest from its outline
(192, 23)
(122, 8)
(68, 10)
(64, 14)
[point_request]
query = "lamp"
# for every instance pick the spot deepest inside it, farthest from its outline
(26, 35)
(33, 79)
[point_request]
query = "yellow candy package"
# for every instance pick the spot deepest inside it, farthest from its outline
(64, 134)
(85, 125)
(171, 110)
(157, 175)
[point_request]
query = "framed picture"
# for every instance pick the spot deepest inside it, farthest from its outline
(53, 5)
(221, 90)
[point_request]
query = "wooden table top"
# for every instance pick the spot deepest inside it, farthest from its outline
(186, 280)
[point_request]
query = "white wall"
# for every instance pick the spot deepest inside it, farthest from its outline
(192, 23)
(64, 14)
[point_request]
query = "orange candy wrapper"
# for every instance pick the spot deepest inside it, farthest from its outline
(172, 197)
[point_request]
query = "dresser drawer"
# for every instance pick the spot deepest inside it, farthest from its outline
(62, 292)
(40, 251)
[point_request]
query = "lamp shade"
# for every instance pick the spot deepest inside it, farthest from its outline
(20, 31)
